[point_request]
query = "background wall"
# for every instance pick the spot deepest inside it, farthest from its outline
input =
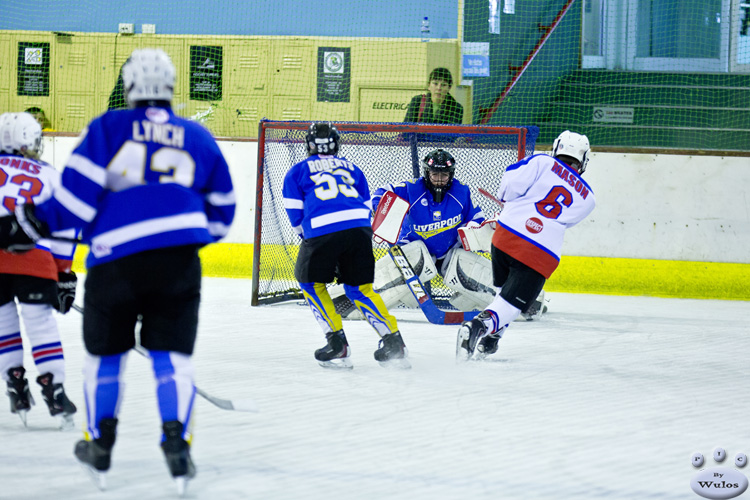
(664, 207)
(229, 17)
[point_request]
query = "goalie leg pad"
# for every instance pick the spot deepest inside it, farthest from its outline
(470, 276)
(391, 285)
(420, 260)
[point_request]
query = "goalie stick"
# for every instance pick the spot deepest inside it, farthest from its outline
(431, 311)
(389, 217)
(245, 404)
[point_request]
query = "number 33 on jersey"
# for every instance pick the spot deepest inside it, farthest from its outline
(324, 193)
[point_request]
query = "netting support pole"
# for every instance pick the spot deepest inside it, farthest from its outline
(258, 214)
(414, 155)
(486, 115)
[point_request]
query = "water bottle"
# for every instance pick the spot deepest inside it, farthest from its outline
(425, 29)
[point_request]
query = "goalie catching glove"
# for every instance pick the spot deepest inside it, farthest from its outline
(477, 238)
(20, 232)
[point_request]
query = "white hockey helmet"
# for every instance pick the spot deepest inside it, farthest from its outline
(148, 75)
(574, 145)
(21, 134)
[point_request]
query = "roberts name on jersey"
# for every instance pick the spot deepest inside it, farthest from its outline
(329, 164)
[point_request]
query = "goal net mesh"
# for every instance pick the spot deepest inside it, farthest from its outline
(386, 153)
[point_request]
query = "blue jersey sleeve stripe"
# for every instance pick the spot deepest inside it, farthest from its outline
(74, 205)
(368, 203)
(340, 216)
(142, 229)
(221, 199)
(291, 203)
(62, 250)
(218, 229)
(88, 169)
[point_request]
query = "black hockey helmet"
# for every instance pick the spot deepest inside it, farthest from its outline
(322, 138)
(438, 161)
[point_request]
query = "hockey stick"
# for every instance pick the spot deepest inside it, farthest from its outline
(491, 196)
(245, 405)
(431, 311)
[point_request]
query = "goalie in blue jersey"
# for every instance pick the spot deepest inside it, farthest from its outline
(148, 189)
(327, 199)
(440, 208)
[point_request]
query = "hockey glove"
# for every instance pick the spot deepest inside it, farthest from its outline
(20, 232)
(66, 291)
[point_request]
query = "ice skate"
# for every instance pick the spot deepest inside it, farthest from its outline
(336, 353)
(21, 400)
(468, 336)
(487, 345)
(177, 453)
(95, 456)
(57, 401)
(392, 353)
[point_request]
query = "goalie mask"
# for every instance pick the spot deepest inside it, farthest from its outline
(573, 145)
(322, 139)
(438, 162)
(148, 75)
(21, 134)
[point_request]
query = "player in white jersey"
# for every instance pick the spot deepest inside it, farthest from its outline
(40, 279)
(543, 196)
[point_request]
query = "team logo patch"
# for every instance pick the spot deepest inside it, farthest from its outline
(157, 115)
(436, 215)
(534, 225)
(424, 202)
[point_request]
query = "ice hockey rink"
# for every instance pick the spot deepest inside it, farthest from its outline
(605, 397)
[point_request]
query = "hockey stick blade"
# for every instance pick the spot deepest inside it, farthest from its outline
(244, 405)
(431, 311)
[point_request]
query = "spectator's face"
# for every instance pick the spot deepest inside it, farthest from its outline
(39, 116)
(438, 89)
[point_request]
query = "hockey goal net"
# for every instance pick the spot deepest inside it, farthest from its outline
(386, 153)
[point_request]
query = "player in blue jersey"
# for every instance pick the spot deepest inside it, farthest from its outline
(148, 189)
(328, 203)
(439, 205)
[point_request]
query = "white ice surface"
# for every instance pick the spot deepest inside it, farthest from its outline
(606, 397)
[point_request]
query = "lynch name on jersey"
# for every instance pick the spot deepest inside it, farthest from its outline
(161, 133)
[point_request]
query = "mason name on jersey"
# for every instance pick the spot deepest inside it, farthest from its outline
(571, 179)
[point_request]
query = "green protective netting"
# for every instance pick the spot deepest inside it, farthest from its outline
(642, 74)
